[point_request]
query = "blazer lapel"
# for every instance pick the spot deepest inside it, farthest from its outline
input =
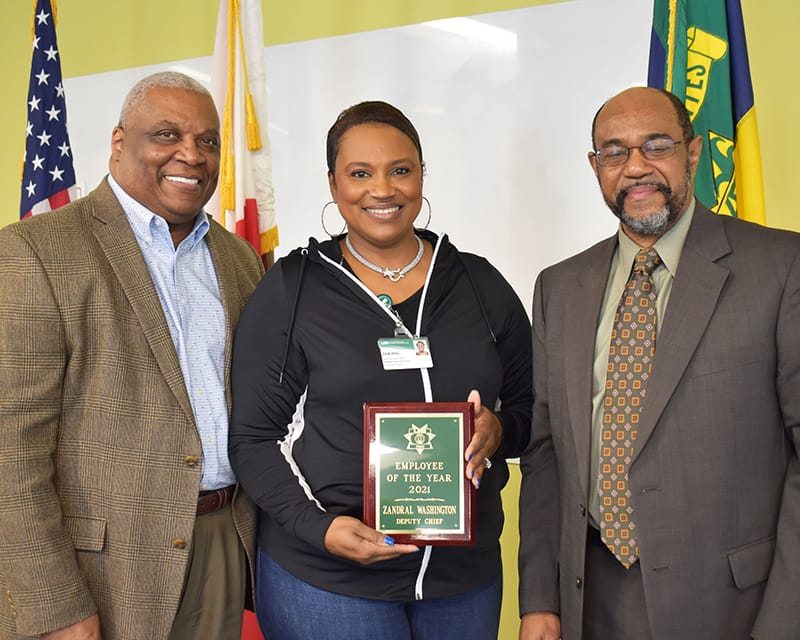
(694, 296)
(580, 327)
(115, 237)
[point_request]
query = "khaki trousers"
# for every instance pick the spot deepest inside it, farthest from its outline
(212, 604)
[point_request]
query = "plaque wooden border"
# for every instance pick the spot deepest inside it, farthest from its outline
(465, 535)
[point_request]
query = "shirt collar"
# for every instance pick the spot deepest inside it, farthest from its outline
(669, 246)
(144, 222)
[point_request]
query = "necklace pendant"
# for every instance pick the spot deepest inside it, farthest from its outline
(395, 275)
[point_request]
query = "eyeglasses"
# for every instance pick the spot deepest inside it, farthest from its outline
(615, 155)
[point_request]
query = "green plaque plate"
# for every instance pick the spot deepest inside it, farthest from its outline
(414, 484)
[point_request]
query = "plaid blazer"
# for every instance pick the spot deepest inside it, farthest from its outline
(99, 451)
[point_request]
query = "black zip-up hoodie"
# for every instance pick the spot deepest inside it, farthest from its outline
(306, 359)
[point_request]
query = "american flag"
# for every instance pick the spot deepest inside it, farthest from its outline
(47, 171)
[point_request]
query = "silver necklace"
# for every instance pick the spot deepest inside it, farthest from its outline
(393, 274)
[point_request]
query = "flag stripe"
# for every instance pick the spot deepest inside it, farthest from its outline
(747, 160)
(741, 84)
(670, 59)
(658, 61)
(59, 199)
(247, 226)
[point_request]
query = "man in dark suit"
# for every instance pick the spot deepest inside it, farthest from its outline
(698, 534)
(121, 517)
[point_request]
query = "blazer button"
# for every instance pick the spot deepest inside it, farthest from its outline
(583, 510)
(578, 583)
(179, 543)
(191, 461)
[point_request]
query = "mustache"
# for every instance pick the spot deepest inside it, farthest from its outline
(663, 188)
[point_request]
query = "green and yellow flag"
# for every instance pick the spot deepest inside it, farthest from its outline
(698, 52)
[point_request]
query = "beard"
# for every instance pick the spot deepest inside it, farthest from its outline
(657, 223)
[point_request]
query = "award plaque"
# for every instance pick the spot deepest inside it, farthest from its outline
(415, 487)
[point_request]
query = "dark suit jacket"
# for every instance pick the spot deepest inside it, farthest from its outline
(716, 478)
(99, 452)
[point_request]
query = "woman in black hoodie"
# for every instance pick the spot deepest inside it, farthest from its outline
(306, 358)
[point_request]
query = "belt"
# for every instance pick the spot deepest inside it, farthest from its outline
(210, 501)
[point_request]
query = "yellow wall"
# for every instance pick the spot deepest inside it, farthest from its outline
(102, 36)
(771, 27)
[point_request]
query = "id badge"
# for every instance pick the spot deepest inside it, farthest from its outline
(405, 353)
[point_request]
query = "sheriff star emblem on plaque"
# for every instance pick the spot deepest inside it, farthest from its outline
(420, 438)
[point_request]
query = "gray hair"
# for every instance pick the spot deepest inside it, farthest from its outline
(163, 79)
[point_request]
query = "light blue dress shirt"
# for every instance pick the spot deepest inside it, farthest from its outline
(187, 287)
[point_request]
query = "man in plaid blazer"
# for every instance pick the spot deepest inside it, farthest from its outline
(120, 517)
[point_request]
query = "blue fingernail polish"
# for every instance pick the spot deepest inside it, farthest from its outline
(479, 484)
(469, 457)
(388, 540)
(473, 474)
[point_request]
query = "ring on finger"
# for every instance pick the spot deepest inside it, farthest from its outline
(487, 462)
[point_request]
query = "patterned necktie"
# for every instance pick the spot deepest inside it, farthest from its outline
(630, 359)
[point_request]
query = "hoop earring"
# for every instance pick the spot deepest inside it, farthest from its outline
(322, 219)
(428, 221)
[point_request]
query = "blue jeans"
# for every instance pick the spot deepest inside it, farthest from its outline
(290, 609)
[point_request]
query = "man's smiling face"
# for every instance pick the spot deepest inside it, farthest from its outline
(166, 153)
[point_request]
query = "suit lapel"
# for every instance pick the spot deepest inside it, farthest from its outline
(115, 237)
(694, 296)
(580, 327)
